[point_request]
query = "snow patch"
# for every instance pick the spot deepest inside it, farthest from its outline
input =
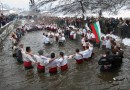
(126, 41)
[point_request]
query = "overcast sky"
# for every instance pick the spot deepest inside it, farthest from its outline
(17, 3)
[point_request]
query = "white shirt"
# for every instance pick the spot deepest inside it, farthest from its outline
(108, 44)
(52, 64)
(28, 58)
(86, 53)
(84, 43)
(72, 33)
(78, 56)
(89, 36)
(42, 60)
(62, 61)
(92, 35)
(82, 40)
(60, 38)
(103, 42)
(90, 51)
(74, 36)
(63, 38)
(47, 40)
(84, 31)
(44, 37)
(59, 31)
(57, 34)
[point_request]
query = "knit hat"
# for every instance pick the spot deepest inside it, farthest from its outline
(40, 52)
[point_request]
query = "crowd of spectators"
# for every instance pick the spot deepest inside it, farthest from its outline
(118, 26)
(4, 19)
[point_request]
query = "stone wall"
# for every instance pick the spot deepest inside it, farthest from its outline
(6, 30)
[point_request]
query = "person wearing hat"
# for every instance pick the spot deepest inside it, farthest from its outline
(42, 61)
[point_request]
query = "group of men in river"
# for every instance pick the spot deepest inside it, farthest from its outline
(108, 60)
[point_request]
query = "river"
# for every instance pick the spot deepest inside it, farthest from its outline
(86, 76)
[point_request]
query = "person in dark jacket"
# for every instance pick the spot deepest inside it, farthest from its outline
(105, 62)
(19, 55)
(125, 29)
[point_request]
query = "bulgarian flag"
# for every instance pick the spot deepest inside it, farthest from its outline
(96, 30)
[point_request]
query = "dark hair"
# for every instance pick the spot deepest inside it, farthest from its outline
(52, 55)
(77, 50)
(86, 40)
(87, 47)
(61, 54)
(28, 49)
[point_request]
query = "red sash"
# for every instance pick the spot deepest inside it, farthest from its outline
(40, 67)
(71, 37)
(79, 61)
(65, 67)
(53, 70)
(27, 64)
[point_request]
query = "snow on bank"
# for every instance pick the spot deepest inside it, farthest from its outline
(126, 41)
(112, 35)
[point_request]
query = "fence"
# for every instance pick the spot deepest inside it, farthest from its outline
(5, 30)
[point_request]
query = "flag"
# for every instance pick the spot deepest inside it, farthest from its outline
(96, 30)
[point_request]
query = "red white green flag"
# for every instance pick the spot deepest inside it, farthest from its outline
(96, 30)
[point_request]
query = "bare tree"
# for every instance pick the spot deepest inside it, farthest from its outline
(82, 6)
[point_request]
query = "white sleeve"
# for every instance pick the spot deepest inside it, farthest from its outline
(47, 61)
(31, 59)
(58, 61)
(37, 58)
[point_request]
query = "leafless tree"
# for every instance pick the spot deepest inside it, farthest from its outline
(82, 6)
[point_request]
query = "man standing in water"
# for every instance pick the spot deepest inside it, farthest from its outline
(19, 55)
(28, 58)
(78, 57)
(63, 61)
(42, 61)
(52, 65)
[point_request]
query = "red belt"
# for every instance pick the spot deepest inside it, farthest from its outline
(27, 64)
(79, 61)
(71, 37)
(53, 70)
(65, 67)
(40, 67)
